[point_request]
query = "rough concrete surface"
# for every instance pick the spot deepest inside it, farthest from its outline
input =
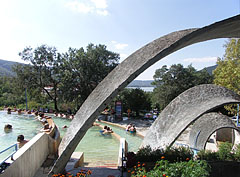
(205, 126)
(128, 70)
(184, 110)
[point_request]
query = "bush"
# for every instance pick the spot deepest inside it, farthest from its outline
(225, 152)
(163, 168)
(172, 154)
(207, 155)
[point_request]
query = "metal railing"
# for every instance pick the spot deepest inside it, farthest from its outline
(195, 151)
(10, 155)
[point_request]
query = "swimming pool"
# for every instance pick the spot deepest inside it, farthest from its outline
(98, 150)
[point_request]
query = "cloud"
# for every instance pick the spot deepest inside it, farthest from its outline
(100, 4)
(79, 7)
(88, 6)
(201, 60)
(119, 46)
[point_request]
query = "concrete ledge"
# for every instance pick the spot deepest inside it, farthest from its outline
(29, 158)
(76, 160)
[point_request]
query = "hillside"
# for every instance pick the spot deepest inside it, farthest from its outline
(210, 69)
(141, 83)
(6, 68)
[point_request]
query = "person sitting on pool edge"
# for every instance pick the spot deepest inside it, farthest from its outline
(21, 141)
(46, 128)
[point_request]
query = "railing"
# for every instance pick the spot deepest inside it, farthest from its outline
(11, 155)
(195, 151)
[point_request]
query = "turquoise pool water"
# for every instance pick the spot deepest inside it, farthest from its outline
(97, 149)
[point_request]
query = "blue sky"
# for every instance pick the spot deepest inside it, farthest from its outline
(122, 25)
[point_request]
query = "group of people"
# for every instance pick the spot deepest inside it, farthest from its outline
(131, 128)
(35, 112)
(39, 116)
(43, 119)
(106, 130)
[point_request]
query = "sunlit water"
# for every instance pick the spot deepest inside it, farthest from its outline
(98, 149)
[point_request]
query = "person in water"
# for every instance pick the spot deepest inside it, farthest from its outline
(7, 128)
(9, 110)
(21, 141)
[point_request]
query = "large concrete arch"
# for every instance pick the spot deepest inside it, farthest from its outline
(128, 70)
(184, 110)
(205, 126)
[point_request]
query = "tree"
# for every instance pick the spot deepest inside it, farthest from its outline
(175, 80)
(227, 72)
(43, 71)
(82, 70)
(135, 100)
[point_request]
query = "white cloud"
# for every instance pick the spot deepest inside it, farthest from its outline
(100, 4)
(200, 60)
(88, 6)
(119, 46)
(79, 7)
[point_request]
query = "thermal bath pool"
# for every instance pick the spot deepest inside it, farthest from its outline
(98, 150)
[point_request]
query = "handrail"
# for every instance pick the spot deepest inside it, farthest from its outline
(195, 151)
(11, 155)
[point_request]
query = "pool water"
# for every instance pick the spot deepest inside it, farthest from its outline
(22, 124)
(98, 149)
(133, 140)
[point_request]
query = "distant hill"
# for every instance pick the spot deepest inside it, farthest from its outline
(141, 83)
(210, 69)
(6, 68)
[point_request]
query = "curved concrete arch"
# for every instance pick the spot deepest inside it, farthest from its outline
(128, 70)
(205, 126)
(184, 110)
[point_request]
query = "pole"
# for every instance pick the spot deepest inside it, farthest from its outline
(237, 115)
(26, 97)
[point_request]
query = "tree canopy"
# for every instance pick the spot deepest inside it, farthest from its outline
(227, 72)
(67, 78)
(170, 82)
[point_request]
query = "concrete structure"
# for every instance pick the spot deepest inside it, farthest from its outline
(128, 70)
(184, 110)
(205, 126)
(29, 158)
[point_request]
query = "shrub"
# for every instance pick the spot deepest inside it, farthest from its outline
(225, 151)
(207, 155)
(163, 168)
(172, 154)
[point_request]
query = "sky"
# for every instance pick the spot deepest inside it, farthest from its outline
(123, 26)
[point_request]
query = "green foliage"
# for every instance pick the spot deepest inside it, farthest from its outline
(224, 153)
(172, 154)
(175, 80)
(227, 72)
(208, 155)
(54, 79)
(178, 169)
(135, 100)
(82, 70)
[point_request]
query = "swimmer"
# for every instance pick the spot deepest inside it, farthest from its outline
(7, 128)
(19, 111)
(64, 127)
(9, 110)
(21, 141)
(128, 127)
